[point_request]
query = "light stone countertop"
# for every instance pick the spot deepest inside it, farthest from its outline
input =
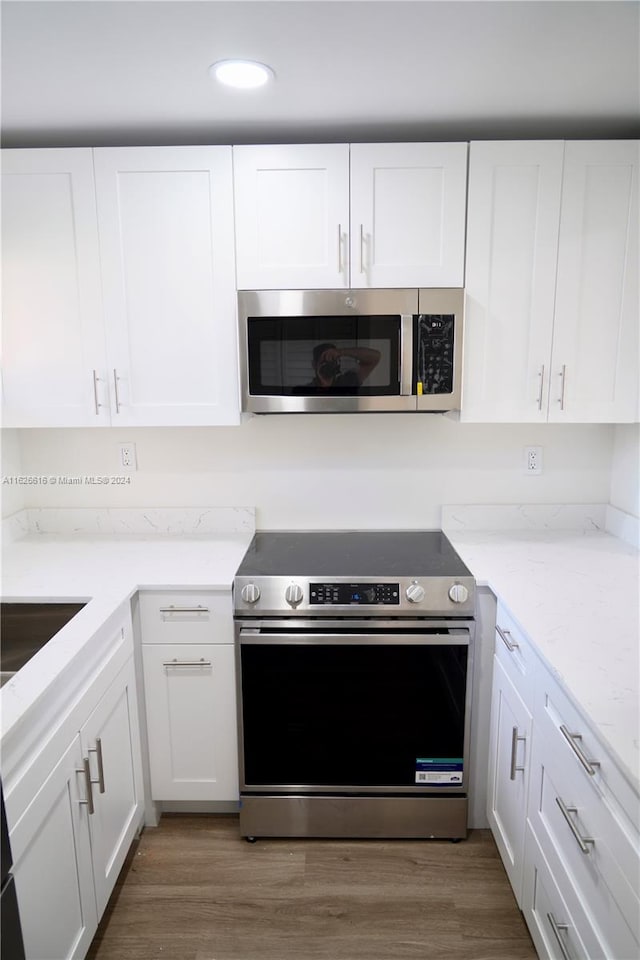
(576, 595)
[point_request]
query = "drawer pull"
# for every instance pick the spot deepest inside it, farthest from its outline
(583, 842)
(187, 663)
(98, 752)
(86, 769)
(514, 753)
(557, 929)
(571, 738)
(505, 635)
(170, 610)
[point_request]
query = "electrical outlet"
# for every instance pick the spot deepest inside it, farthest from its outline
(127, 457)
(533, 461)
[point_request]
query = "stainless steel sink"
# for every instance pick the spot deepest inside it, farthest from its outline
(25, 628)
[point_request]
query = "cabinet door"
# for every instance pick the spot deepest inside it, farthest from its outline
(509, 763)
(53, 356)
(595, 340)
(166, 237)
(512, 244)
(408, 205)
(292, 216)
(191, 721)
(52, 865)
(111, 740)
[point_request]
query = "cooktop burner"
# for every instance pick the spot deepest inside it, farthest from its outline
(348, 573)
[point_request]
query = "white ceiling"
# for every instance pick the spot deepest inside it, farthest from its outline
(122, 72)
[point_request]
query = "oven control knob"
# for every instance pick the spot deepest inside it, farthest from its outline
(250, 593)
(293, 594)
(414, 592)
(458, 593)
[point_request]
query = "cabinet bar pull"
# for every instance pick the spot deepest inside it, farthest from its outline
(504, 635)
(98, 752)
(186, 663)
(541, 377)
(362, 270)
(514, 752)
(86, 769)
(115, 389)
(583, 842)
(562, 379)
(96, 403)
(339, 248)
(589, 765)
(557, 928)
(184, 609)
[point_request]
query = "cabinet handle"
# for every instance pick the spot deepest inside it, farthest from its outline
(583, 842)
(562, 379)
(98, 752)
(589, 765)
(115, 389)
(557, 928)
(541, 378)
(339, 248)
(504, 635)
(96, 403)
(362, 269)
(170, 610)
(86, 769)
(514, 752)
(186, 663)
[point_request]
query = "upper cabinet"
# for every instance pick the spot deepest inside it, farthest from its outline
(329, 216)
(551, 313)
(119, 293)
(53, 349)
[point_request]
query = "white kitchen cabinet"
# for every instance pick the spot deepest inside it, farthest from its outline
(110, 739)
(551, 312)
(594, 364)
(317, 216)
(52, 865)
(165, 217)
(190, 695)
(53, 347)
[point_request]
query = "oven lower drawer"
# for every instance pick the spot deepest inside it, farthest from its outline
(356, 817)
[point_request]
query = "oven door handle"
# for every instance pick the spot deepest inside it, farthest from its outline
(458, 639)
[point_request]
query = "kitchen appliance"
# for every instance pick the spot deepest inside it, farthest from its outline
(354, 673)
(337, 351)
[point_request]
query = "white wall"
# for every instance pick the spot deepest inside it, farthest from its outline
(12, 494)
(377, 471)
(625, 469)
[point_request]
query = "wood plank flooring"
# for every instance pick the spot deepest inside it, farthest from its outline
(193, 889)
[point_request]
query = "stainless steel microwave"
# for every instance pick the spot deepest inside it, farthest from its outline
(341, 351)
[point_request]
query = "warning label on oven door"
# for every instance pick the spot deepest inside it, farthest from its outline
(439, 771)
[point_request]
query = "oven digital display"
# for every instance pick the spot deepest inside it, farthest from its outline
(343, 594)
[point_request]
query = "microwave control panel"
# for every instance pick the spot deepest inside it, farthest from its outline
(434, 342)
(382, 594)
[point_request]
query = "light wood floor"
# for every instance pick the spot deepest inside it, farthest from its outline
(195, 890)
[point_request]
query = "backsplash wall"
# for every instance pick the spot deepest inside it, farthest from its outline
(319, 472)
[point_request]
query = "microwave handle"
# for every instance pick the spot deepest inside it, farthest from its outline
(405, 358)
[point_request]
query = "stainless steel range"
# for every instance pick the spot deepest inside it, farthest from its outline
(354, 666)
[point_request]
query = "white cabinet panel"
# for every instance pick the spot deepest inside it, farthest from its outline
(191, 721)
(595, 344)
(512, 243)
(292, 216)
(52, 865)
(166, 235)
(52, 331)
(408, 205)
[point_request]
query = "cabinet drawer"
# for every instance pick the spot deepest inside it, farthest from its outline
(581, 835)
(186, 617)
(559, 930)
(515, 653)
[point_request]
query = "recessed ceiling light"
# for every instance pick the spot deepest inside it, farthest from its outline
(243, 74)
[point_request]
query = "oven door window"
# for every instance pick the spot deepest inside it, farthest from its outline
(324, 356)
(354, 716)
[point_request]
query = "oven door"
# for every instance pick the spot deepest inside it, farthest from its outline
(326, 352)
(354, 708)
